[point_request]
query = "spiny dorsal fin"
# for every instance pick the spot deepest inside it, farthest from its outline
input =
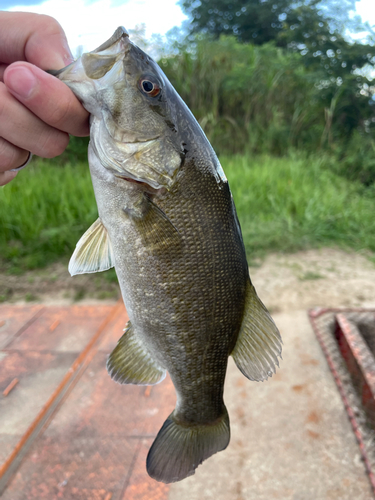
(93, 252)
(259, 343)
(130, 362)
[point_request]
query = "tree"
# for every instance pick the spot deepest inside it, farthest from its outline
(314, 29)
(258, 21)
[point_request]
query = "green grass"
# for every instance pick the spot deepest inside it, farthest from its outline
(43, 213)
(294, 203)
(284, 204)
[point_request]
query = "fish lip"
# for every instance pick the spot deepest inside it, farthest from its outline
(120, 32)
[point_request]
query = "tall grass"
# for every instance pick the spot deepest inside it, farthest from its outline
(284, 204)
(43, 213)
(247, 97)
(293, 203)
(263, 100)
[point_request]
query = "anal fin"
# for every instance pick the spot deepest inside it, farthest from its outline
(259, 342)
(130, 362)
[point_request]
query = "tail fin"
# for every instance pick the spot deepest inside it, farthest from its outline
(178, 450)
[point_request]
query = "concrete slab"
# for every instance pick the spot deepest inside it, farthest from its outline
(38, 363)
(15, 319)
(38, 375)
(96, 444)
(141, 486)
(61, 329)
(291, 438)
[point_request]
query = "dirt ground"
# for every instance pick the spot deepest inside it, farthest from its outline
(325, 277)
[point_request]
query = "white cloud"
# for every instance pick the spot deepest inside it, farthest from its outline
(90, 24)
(366, 9)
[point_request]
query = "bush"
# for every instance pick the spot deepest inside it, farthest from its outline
(356, 160)
(263, 100)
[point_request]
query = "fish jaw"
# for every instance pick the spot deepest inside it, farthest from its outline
(93, 70)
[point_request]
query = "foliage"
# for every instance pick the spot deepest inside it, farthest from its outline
(314, 28)
(317, 31)
(256, 21)
(262, 99)
(356, 159)
(297, 202)
(76, 152)
(44, 212)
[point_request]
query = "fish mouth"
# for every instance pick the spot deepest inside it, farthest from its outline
(120, 37)
(144, 141)
(147, 188)
(120, 33)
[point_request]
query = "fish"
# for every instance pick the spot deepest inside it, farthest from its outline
(168, 225)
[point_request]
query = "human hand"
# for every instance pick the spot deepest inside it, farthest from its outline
(37, 111)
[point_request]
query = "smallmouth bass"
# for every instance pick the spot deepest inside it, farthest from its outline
(168, 224)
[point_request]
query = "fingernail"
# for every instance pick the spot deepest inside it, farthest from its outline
(63, 58)
(68, 56)
(21, 81)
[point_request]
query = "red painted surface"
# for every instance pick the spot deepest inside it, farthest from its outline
(86, 436)
(360, 362)
(350, 352)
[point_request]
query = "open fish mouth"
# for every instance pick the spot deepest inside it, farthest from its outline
(120, 34)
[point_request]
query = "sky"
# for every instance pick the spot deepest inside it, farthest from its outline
(88, 23)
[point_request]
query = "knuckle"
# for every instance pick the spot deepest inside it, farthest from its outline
(7, 156)
(11, 156)
(49, 25)
(52, 144)
(60, 114)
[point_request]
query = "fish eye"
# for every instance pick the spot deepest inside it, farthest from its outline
(150, 88)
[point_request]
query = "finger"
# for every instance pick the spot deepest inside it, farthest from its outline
(22, 128)
(36, 38)
(47, 97)
(11, 156)
(6, 177)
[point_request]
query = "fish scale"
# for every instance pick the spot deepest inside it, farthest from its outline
(168, 225)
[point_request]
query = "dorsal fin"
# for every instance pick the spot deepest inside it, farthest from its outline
(93, 252)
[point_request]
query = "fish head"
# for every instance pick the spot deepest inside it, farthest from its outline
(134, 111)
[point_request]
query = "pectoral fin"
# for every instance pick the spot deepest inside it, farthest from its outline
(154, 226)
(259, 343)
(157, 230)
(130, 362)
(93, 252)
